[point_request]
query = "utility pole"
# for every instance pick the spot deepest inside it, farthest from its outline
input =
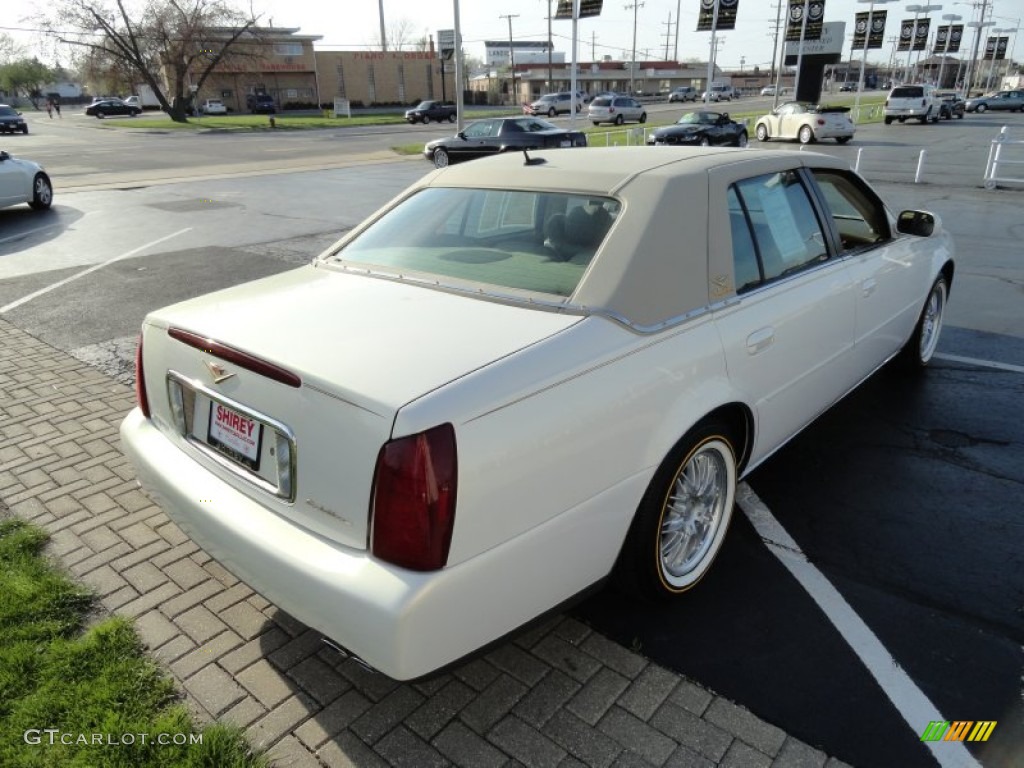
(668, 33)
(635, 5)
(978, 25)
(551, 76)
(511, 55)
(383, 35)
(675, 48)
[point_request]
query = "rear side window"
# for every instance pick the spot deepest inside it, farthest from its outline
(787, 235)
(907, 92)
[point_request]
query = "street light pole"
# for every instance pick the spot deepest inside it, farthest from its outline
(950, 18)
(864, 54)
(635, 5)
(978, 26)
(918, 9)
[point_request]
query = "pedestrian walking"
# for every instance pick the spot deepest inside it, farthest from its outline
(56, 106)
(49, 108)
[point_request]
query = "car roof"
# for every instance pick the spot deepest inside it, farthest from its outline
(637, 275)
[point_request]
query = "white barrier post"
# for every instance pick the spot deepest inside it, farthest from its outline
(920, 166)
(856, 165)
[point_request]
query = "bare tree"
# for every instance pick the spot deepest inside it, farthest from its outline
(400, 34)
(164, 46)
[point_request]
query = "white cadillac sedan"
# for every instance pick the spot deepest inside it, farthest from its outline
(22, 181)
(806, 123)
(520, 377)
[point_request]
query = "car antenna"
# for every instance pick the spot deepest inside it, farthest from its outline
(532, 160)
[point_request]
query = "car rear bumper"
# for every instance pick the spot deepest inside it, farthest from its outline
(404, 623)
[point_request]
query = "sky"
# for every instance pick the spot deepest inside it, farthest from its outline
(355, 25)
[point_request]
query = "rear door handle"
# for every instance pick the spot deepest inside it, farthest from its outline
(760, 340)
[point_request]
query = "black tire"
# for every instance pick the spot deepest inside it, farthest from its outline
(441, 158)
(683, 517)
(888, 121)
(426, 119)
(643, 118)
(920, 348)
(619, 119)
(805, 135)
(451, 118)
(42, 192)
(24, 129)
(981, 108)
(761, 132)
(552, 112)
(705, 141)
(959, 115)
(596, 122)
(843, 139)
(741, 140)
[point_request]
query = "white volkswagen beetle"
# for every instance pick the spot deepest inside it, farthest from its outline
(806, 123)
(522, 376)
(22, 181)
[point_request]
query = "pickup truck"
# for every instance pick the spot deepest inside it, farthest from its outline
(426, 111)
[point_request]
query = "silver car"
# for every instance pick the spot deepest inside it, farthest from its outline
(616, 109)
(1006, 101)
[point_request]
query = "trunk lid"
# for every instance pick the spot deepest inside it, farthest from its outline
(361, 347)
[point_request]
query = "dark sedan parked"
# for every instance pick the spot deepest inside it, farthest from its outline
(109, 107)
(701, 128)
(500, 134)
(950, 105)
(11, 120)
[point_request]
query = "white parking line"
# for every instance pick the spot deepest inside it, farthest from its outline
(980, 363)
(908, 699)
(25, 299)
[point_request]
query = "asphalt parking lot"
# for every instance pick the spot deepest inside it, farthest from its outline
(905, 497)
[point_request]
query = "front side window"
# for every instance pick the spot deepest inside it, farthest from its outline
(531, 241)
(481, 129)
(859, 216)
(785, 228)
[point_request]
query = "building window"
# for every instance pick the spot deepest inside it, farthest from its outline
(371, 83)
(288, 49)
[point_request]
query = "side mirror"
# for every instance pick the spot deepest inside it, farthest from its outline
(917, 223)
(4, 155)
(461, 135)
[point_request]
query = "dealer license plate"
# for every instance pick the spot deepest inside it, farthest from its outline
(236, 435)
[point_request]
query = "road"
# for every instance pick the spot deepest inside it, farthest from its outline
(906, 496)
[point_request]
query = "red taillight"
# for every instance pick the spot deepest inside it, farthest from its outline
(414, 492)
(140, 381)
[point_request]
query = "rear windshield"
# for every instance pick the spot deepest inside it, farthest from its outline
(907, 92)
(601, 101)
(539, 242)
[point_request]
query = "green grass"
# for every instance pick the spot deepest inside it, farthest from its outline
(159, 121)
(54, 675)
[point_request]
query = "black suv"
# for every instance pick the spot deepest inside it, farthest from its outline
(261, 103)
(11, 120)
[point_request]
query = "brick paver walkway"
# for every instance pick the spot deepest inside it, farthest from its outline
(558, 695)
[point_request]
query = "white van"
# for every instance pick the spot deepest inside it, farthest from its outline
(912, 102)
